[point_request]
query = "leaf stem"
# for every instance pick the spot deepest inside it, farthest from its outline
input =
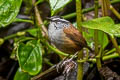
(115, 44)
(55, 49)
(104, 58)
(48, 62)
(115, 55)
(14, 35)
(23, 20)
(2, 40)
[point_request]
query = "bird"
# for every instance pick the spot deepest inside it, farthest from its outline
(65, 36)
(67, 39)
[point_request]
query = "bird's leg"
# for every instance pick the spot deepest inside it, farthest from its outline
(68, 64)
(69, 60)
(58, 66)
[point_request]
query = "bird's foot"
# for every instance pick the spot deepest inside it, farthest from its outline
(67, 65)
(59, 65)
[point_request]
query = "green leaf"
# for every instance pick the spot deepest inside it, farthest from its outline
(117, 26)
(102, 39)
(16, 44)
(89, 36)
(20, 75)
(33, 32)
(30, 57)
(8, 11)
(104, 24)
(56, 5)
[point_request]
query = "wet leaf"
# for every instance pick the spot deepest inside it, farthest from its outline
(104, 24)
(8, 11)
(56, 5)
(20, 75)
(30, 57)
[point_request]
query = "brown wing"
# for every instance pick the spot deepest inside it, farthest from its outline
(75, 36)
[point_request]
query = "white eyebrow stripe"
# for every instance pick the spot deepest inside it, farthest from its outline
(60, 19)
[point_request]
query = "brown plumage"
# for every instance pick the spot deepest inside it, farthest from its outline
(73, 33)
(74, 38)
(65, 36)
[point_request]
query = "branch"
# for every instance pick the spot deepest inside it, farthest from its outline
(39, 20)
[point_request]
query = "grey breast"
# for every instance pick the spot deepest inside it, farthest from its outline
(55, 33)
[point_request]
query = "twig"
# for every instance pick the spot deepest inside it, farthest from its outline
(109, 74)
(43, 74)
(39, 20)
(115, 11)
(115, 44)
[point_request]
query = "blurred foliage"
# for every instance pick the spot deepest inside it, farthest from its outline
(29, 49)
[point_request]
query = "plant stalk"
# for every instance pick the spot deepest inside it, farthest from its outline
(104, 58)
(115, 11)
(98, 56)
(80, 54)
(71, 15)
(115, 44)
(96, 31)
(39, 21)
